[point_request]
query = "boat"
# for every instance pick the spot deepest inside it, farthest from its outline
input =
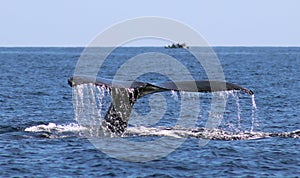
(177, 45)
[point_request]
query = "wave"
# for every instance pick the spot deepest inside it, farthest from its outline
(53, 130)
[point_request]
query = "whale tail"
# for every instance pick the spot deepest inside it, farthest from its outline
(125, 93)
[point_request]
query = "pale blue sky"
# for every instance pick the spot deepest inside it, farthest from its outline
(220, 22)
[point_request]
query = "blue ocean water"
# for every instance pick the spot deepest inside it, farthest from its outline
(34, 94)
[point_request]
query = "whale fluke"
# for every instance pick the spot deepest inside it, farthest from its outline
(117, 116)
(147, 88)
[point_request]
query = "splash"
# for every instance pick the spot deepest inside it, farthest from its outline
(52, 127)
(87, 96)
(174, 95)
(53, 130)
(237, 101)
(91, 105)
(242, 109)
(206, 133)
(92, 102)
(253, 116)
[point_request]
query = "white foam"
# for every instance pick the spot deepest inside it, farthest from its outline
(52, 127)
(152, 131)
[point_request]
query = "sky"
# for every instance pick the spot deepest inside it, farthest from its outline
(220, 22)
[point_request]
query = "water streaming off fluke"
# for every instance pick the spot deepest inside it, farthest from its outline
(92, 103)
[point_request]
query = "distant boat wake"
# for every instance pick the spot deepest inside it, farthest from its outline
(115, 124)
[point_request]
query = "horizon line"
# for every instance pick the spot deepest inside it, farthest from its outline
(58, 46)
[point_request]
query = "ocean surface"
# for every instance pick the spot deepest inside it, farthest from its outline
(42, 135)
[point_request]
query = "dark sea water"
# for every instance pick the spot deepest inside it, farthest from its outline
(40, 137)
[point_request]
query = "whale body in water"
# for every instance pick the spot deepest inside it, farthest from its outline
(117, 116)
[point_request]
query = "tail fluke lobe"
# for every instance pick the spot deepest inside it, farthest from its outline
(147, 88)
(201, 86)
